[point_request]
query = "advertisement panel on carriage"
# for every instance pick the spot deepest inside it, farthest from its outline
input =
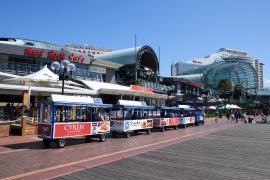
(62, 130)
(130, 125)
(100, 127)
(187, 120)
(166, 122)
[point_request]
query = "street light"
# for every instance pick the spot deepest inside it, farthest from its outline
(63, 70)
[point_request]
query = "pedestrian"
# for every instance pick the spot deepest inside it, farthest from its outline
(216, 116)
(232, 116)
(236, 115)
(228, 115)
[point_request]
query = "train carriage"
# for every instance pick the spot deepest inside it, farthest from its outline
(64, 117)
(131, 116)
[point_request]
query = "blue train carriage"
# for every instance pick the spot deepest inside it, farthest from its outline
(187, 116)
(199, 117)
(165, 117)
(64, 117)
(131, 116)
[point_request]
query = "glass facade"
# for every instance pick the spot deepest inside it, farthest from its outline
(238, 73)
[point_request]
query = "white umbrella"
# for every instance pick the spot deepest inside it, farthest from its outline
(212, 107)
(43, 75)
(233, 106)
(228, 106)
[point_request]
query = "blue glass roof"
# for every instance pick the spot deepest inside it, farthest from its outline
(237, 72)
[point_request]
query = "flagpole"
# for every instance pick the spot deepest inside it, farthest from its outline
(135, 57)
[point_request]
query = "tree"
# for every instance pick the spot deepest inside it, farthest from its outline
(237, 91)
(224, 85)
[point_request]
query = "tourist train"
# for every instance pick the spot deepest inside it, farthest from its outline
(63, 117)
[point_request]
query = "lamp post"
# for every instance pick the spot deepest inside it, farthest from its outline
(63, 70)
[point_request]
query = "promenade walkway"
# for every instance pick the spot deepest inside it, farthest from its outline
(240, 152)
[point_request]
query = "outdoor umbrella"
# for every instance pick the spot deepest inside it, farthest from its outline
(212, 107)
(43, 75)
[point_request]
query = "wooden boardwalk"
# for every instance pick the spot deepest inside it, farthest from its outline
(241, 152)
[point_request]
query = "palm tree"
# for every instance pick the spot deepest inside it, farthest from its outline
(224, 85)
(237, 91)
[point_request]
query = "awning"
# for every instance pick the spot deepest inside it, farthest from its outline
(115, 89)
(46, 89)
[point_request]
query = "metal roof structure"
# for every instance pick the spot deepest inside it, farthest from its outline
(136, 55)
(238, 73)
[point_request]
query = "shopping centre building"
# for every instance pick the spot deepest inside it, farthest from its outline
(26, 75)
(223, 54)
(125, 74)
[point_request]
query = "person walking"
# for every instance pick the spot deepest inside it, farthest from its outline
(216, 116)
(236, 114)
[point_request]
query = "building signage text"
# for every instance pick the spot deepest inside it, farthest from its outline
(141, 88)
(33, 52)
(54, 55)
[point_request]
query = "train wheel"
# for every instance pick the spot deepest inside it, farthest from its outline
(61, 143)
(102, 137)
(46, 142)
(148, 131)
(127, 134)
(87, 139)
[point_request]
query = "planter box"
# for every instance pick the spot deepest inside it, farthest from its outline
(4, 129)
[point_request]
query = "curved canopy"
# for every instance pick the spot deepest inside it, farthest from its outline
(142, 55)
(238, 73)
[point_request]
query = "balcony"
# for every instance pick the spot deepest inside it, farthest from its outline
(25, 69)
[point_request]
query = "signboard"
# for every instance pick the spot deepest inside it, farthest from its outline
(173, 121)
(130, 125)
(56, 55)
(101, 127)
(62, 130)
(187, 120)
(97, 100)
(141, 88)
(166, 122)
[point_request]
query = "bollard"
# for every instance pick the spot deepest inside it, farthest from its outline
(23, 126)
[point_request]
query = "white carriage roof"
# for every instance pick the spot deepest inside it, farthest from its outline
(131, 103)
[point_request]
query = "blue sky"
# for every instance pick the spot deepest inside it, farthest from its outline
(184, 29)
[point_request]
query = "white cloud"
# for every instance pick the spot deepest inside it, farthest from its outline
(266, 82)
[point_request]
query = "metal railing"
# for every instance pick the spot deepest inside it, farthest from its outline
(19, 69)
(25, 69)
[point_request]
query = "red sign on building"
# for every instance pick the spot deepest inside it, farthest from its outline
(56, 55)
(141, 88)
(33, 52)
(76, 58)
